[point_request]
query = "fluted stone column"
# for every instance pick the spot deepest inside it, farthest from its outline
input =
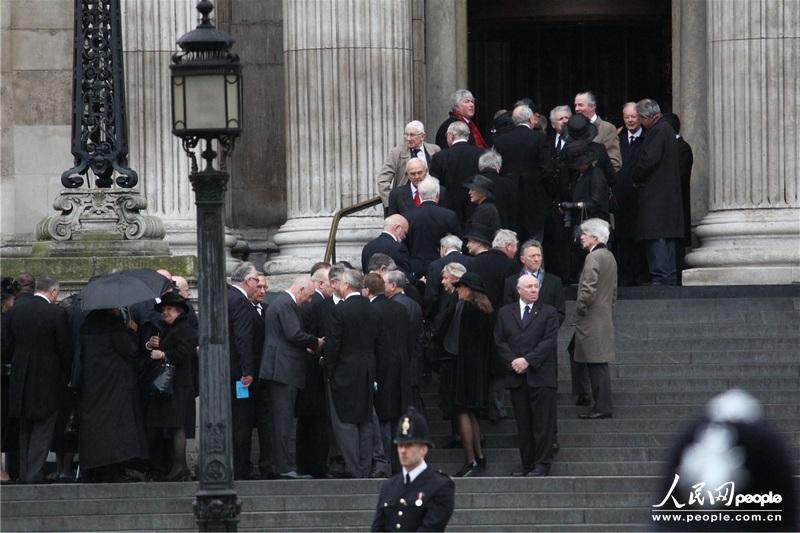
(150, 30)
(689, 92)
(751, 234)
(348, 66)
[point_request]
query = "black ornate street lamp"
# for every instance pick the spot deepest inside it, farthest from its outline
(206, 105)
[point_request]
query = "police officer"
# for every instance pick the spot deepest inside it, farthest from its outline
(418, 498)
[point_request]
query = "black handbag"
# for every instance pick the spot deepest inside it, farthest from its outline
(162, 379)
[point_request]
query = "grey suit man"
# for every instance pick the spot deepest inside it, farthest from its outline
(393, 172)
(586, 105)
(287, 351)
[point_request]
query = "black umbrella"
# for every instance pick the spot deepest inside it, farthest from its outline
(122, 289)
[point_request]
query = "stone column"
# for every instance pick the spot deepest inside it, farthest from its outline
(150, 30)
(689, 92)
(751, 234)
(446, 57)
(348, 75)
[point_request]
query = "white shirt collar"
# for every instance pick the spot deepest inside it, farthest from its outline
(416, 471)
(593, 247)
(389, 234)
(594, 118)
(522, 306)
(354, 293)
(259, 309)
(292, 295)
(460, 141)
(336, 299)
(45, 298)
(635, 134)
(372, 298)
(242, 291)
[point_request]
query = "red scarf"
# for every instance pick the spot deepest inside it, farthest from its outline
(473, 129)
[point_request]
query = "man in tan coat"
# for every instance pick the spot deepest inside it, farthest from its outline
(594, 326)
(393, 173)
(586, 105)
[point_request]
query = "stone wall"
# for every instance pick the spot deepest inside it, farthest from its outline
(35, 107)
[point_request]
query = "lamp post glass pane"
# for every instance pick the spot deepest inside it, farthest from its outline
(205, 102)
(178, 103)
(232, 89)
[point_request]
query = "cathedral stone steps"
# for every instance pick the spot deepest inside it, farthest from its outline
(677, 348)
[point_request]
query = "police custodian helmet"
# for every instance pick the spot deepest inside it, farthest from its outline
(413, 428)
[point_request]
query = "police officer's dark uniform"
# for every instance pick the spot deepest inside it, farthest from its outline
(425, 504)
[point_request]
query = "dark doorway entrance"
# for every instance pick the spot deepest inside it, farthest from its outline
(549, 50)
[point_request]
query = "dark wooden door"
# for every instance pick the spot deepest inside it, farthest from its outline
(549, 58)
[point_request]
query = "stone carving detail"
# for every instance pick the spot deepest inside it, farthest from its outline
(99, 118)
(105, 210)
(216, 437)
(217, 508)
(216, 471)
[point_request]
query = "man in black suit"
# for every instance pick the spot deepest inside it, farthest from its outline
(454, 166)
(243, 321)
(389, 242)
(288, 349)
(406, 197)
(394, 288)
(391, 369)
(427, 225)
(520, 149)
(526, 336)
(551, 291)
(685, 163)
(659, 220)
(42, 357)
(555, 180)
(352, 344)
(630, 253)
(311, 406)
(262, 404)
(450, 252)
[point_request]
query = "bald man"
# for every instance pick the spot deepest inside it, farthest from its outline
(389, 242)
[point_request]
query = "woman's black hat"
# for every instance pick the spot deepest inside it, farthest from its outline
(580, 129)
(172, 298)
(473, 281)
(482, 184)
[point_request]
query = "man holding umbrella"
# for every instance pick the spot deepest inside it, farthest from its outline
(418, 498)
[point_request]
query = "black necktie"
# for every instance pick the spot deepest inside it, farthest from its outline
(415, 152)
(559, 143)
(526, 315)
(632, 139)
(408, 479)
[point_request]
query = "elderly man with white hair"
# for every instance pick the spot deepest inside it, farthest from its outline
(594, 307)
(428, 224)
(389, 242)
(393, 172)
(287, 352)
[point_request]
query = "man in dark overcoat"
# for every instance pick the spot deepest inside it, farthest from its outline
(418, 498)
(428, 224)
(288, 350)
(42, 358)
(311, 407)
(389, 242)
(395, 284)
(243, 320)
(526, 336)
(656, 175)
(454, 166)
(520, 149)
(352, 344)
(630, 253)
(391, 367)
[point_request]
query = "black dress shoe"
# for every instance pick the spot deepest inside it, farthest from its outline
(521, 473)
(540, 471)
(583, 400)
(595, 416)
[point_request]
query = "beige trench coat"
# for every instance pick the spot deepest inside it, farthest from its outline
(597, 294)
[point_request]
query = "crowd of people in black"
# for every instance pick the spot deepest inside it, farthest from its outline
(455, 284)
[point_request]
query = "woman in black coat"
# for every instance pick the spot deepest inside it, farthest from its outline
(484, 215)
(468, 341)
(589, 198)
(111, 429)
(166, 414)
